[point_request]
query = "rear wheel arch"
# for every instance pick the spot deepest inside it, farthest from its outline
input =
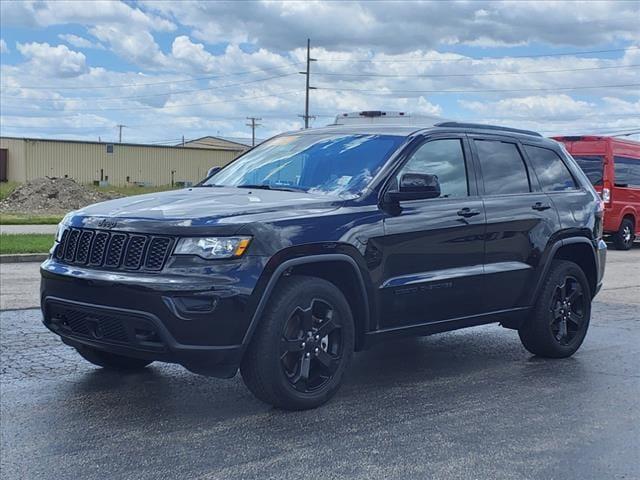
(581, 252)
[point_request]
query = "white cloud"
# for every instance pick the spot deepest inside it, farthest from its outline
(405, 26)
(96, 12)
(3, 46)
(56, 61)
(79, 42)
(135, 46)
(193, 54)
(543, 106)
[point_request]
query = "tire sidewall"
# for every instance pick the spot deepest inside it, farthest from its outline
(557, 277)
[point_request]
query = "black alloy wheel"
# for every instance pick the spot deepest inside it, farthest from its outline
(311, 346)
(568, 310)
(559, 320)
(302, 346)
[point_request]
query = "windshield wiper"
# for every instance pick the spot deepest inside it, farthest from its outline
(265, 186)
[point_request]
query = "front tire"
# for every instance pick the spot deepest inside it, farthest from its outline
(299, 353)
(111, 361)
(623, 238)
(560, 319)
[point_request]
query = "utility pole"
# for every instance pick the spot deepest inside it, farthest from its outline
(120, 132)
(253, 126)
(307, 73)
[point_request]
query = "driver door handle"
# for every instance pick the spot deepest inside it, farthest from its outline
(540, 206)
(466, 212)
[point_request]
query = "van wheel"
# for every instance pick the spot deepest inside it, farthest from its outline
(302, 346)
(111, 361)
(624, 237)
(560, 318)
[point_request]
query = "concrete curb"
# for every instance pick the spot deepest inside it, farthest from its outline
(23, 257)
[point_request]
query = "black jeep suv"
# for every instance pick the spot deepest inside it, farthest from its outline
(322, 242)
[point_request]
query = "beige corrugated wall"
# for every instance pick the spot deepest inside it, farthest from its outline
(85, 162)
(16, 163)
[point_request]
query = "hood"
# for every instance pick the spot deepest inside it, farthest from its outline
(205, 206)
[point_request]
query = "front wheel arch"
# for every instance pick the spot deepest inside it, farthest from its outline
(319, 266)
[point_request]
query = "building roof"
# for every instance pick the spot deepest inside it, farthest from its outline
(231, 143)
(122, 144)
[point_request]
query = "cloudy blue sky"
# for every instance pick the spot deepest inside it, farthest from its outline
(167, 69)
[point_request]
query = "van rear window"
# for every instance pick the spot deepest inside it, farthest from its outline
(627, 171)
(592, 166)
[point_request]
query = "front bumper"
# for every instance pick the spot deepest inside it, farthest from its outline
(198, 319)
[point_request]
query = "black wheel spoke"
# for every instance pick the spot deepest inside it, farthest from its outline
(302, 376)
(328, 326)
(574, 295)
(575, 318)
(288, 345)
(329, 362)
(306, 318)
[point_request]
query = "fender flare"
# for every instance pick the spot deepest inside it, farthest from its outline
(551, 254)
(277, 274)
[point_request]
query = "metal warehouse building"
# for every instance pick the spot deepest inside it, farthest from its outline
(117, 163)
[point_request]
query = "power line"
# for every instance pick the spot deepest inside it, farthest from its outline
(99, 109)
(151, 94)
(445, 75)
(466, 59)
(164, 82)
(396, 92)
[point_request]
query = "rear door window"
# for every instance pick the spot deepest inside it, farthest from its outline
(626, 171)
(592, 166)
(503, 168)
(552, 173)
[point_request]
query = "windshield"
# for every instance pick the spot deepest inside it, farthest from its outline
(332, 164)
(592, 166)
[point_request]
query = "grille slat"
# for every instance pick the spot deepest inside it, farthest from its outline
(72, 244)
(135, 250)
(113, 250)
(157, 253)
(84, 245)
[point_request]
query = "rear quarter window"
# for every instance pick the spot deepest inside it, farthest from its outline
(552, 173)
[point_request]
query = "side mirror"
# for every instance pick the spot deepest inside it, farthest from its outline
(416, 186)
(212, 171)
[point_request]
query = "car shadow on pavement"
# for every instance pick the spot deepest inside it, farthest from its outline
(426, 373)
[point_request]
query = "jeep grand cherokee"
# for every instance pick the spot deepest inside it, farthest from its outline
(322, 242)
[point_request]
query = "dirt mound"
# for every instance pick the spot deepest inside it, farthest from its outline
(52, 195)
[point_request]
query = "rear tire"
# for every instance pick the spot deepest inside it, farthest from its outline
(112, 361)
(624, 237)
(560, 319)
(302, 346)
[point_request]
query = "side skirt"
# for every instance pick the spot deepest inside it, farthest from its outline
(508, 318)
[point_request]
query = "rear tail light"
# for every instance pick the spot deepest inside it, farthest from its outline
(606, 193)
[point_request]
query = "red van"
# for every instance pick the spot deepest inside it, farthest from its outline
(613, 166)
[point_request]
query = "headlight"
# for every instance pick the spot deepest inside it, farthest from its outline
(62, 225)
(213, 247)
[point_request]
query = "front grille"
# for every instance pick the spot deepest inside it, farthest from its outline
(113, 250)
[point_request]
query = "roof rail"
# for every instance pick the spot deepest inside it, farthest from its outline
(487, 127)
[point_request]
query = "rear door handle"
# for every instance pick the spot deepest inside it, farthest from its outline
(467, 212)
(540, 206)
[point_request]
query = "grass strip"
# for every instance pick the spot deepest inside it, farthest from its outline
(25, 243)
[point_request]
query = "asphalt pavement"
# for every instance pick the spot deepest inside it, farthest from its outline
(15, 229)
(471, 404)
